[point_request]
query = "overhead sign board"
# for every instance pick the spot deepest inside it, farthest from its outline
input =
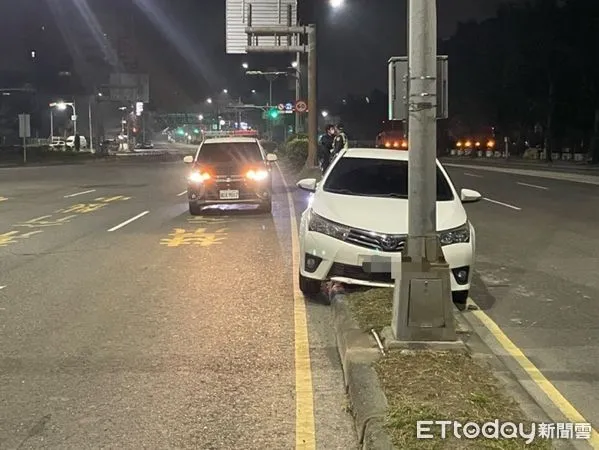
(256, 13)
(129, 87)
(398, 88)
(24, 125)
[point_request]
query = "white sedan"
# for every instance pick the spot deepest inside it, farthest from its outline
(359, 210)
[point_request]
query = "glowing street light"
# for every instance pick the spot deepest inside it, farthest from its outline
(325, 114)
(225, 91)
(245, 65)
(336, 3)
(253, 91)
(294, 64)
(208, 100)
(201, 117)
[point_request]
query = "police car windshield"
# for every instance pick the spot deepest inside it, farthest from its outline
(371, 177)
(230, 152)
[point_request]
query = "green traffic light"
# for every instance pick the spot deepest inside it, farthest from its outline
(180, 132)
(273, 113)
(196, 131)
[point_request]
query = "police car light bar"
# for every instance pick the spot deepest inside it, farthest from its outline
(232, 133)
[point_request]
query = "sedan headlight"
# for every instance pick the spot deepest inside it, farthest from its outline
(458, 235)
(321, 225)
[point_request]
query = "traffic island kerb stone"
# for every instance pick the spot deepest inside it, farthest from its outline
(359, 354)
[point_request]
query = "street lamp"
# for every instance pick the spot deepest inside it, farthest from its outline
(201, 117)
(294, 64)
(209, 100)
(325, 114)
(225, 91)
(245, 65)
(61, 106)
(336, 3)
(253, 91)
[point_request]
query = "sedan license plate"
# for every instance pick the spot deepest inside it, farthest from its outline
(229, 194)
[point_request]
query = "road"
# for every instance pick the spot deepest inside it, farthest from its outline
(537, 260)
(126, 323)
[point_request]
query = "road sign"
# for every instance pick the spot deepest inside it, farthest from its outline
(301, 106)
(129, 87)
(281, 107)
(288, 106)
(139, 108)
(257, 13)
(24, 125)
(398, 88)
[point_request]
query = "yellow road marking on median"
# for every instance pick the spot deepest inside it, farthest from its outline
(535, 374)
(13, 237)
(305, 436)
(200, 237)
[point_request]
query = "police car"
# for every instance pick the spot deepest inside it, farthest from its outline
(360, 210)
(230, 168)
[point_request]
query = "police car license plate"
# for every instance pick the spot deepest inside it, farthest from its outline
(229, 194)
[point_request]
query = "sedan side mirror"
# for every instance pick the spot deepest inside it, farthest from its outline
(271, 157)
(470, 196)
(307, 184)
(188, 159)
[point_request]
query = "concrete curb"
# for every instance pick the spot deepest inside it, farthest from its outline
(358, 351)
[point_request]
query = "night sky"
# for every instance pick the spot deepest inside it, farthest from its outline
(185, 40)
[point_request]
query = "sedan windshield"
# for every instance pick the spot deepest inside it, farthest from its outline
(370, 177)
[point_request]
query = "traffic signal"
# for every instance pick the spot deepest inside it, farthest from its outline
(196, 131)
(273, 113)
(180, 132)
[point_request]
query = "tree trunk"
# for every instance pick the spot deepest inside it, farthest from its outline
(549, 128)
(595, 138)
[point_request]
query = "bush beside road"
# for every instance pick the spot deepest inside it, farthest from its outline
(424, 385)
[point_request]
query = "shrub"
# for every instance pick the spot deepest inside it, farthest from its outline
(296, 153)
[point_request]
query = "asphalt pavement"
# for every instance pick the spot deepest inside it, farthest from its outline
(536, 277)
(127, 323)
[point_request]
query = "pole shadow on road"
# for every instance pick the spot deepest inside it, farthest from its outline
(481, 294)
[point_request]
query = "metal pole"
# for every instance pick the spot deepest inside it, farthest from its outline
(407, 121)
(91, 132)
(312, 98)
(74, 121)
(51, 126)
(422, 306)
(298, 92)
(422, 69)
(269, 121)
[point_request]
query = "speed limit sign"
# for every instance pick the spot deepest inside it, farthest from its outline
(301, 106)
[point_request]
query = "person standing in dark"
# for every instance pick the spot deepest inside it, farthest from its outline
(77, 143)
(325, 147)
(341, 141)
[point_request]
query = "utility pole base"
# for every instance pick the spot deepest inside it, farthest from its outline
(423, 309)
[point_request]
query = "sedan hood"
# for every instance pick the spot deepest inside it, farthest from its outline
(384, 215)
